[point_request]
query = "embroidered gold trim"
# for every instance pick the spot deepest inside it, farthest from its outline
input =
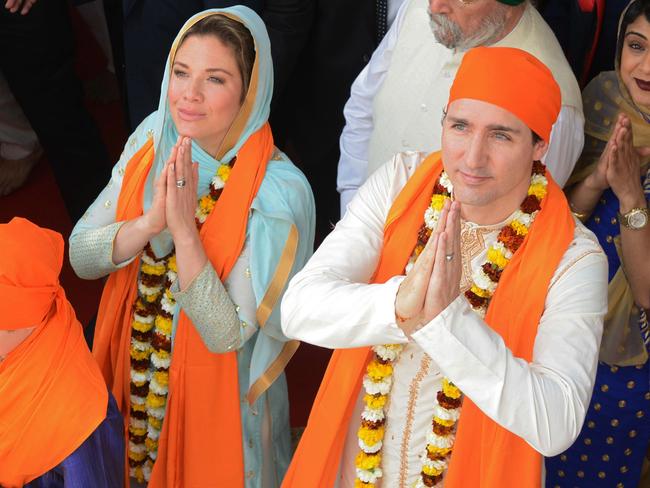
(265, 381)
(414, 391)
(280, 276)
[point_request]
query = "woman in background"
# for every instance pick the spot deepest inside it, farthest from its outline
(610, 193)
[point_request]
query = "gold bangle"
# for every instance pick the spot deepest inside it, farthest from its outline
(581, 216)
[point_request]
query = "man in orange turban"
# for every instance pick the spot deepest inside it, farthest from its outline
(465, 299)
(58, 425)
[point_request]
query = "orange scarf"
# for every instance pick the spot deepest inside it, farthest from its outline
(485, 455)
(201, 440)
(52, 395)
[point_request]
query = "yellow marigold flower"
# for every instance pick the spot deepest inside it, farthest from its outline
(418, 250)
(137, 456)
(155, 401)
(438, 201)
(161, 377)
(152, 298)
(450, 390)
(378, 371)
(360, 484)
(164, 325)
(206, 203)
(136, 431)
(162, 354)
(151, 444)
(224, 172)
(138, 407)
(496, 257)
(375, 401)
(368, 461)
(141, 326)
(138, 474)
(444, 423)
(519, 227)
(431, 471)
(480, 292)
(371, 436)
(156, 270)
(439, 451)
(154, 422)
(171, 264)
(140, 355)
(538, 189)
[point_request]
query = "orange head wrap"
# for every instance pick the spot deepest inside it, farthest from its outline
(30, 263)
(514, 80)
(53, 394)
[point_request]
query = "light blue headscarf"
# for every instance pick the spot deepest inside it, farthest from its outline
(164, 130)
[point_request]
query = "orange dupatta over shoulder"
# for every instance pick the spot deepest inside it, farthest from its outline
(485, 455)
(52, 395)
(201, 441)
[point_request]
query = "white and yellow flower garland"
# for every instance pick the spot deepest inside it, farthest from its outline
(151, 343)
(378, 379)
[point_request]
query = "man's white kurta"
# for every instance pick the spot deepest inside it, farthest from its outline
(330, 304)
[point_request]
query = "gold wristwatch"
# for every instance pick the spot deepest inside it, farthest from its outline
(635, 219)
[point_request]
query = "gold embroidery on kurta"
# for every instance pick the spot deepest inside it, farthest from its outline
(414, 390)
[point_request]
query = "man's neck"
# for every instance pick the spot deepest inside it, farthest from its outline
(484, 216)
(512, 19)
(494, 212)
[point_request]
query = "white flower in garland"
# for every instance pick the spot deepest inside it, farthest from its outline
(152, 432)
(369, 476)
(137, 400)
(483, 281)
(439, 441)
(446, 183)
(158, 413)
(370, 449)
(388, 352)
(373, 414)
(217, 183)
(431, 218)
(160, 362)
(377, 387)
(448, 414)
(145, 319)
(148, 290)
(139, 376)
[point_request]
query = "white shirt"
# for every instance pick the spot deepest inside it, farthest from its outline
(428, 79)
(330, 304)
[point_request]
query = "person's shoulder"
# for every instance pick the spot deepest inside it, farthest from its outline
(284, 186)
(606, 80)
(584, 251)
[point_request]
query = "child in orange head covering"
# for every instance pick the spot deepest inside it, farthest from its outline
(58, 424)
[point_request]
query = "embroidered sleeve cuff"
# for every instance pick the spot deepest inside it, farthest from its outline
(208, 305)
(91, 252)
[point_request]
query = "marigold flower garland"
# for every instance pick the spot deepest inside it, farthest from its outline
(151, 342)
(378, 379)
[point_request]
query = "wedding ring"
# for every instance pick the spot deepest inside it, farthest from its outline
(449, 257)
(180, 183)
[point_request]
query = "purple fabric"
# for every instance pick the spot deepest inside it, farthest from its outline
(97, 463)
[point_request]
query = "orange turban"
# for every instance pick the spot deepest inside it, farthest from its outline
(53, 394)
(514, 80)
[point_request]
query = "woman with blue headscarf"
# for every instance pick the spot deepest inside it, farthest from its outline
(188, 332)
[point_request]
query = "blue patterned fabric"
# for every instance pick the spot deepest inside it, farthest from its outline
(97, 463)
(613, 442)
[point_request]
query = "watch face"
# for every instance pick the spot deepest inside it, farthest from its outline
(637, 220)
